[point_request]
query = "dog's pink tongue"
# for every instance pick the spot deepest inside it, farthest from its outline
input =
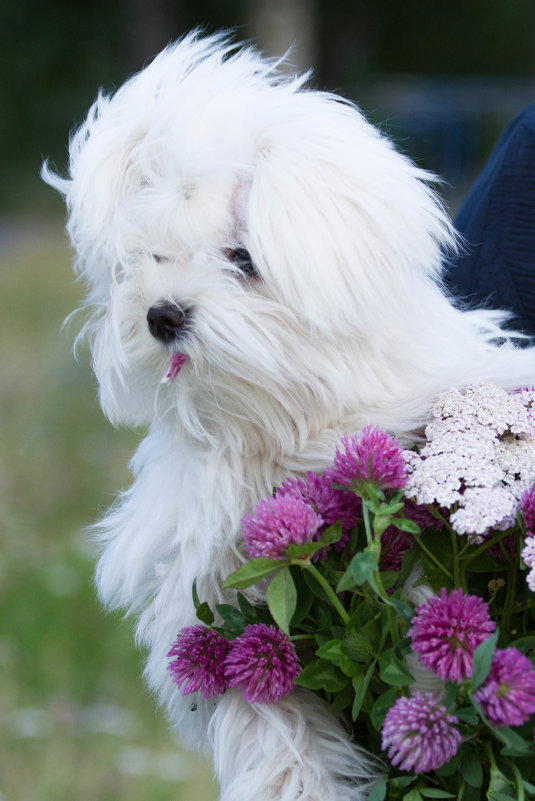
(178, 360)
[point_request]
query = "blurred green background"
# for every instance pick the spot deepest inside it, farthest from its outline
(441, 77)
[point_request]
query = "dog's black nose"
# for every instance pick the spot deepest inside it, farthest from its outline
(166, 321)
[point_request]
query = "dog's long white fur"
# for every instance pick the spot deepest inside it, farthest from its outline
(209, 149)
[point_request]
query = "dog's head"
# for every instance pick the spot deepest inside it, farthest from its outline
(237, 232)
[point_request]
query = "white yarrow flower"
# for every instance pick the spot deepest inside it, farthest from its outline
(482, 508)
(479, 454)
(528, 556)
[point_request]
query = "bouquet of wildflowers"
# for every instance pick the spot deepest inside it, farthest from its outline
(400, 587)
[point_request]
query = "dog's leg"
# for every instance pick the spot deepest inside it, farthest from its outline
(294, 750)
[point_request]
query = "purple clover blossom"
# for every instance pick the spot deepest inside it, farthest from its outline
(262, 663)
(527, 507)
(446, 631)
(371, 456)
(419, 734)
(331, 504)
(279, 522)
(198, 661)
(507, 696)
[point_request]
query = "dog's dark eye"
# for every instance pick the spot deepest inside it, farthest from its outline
(241, 258)
(158, 258)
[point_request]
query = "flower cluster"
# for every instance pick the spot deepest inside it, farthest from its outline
(479, 454)
(261, 663)
(279, 522)
(446, 631)
(418, 733)
(198, 664)
(371, 456)
(528, 555)
(340, 563)
(507, 696)
(330, 503)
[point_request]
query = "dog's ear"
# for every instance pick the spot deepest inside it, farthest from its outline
(338, 220)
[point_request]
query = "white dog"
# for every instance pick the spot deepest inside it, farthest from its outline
(268, 253)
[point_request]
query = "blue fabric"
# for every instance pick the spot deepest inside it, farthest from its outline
(497, 220)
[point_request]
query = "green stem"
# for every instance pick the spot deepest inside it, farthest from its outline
(488, 749)
(326, 587)
(431, 556)
(298, 637)
(455, 548)
(367, 524)
(519, 783)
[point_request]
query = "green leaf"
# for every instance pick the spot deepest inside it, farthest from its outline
(412, 795)
(393, 507)
(393, 671)
(408, 562)
(249, 611)
(440, 547)
(500, 787)
(195, 595)
(300, 551)
(322, 675)
(233, 619)
(499, 796)
(435, 792)
(250, 573)
(402, 781)
(331, 650)
(404, 524)
(523, 644)
(347, 582)
(514, 743)
(471, 769)
(362, 615)
(403, 608)
(282, 598)
(451, 695)
(205, 614)
(331, 535)
(343, 699)
(378, 791)
(528, 786)
(381, 707)
(363, 566)
(360, 685)
(317, 589)
(466, 715)
(388, 578)
(376, 496)
(305, 596)
(482, 660)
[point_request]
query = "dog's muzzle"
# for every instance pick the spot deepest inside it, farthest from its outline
(166, 321)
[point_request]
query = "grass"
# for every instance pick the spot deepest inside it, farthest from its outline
(77, 720)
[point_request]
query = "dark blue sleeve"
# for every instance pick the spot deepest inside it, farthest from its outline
(497, 220)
